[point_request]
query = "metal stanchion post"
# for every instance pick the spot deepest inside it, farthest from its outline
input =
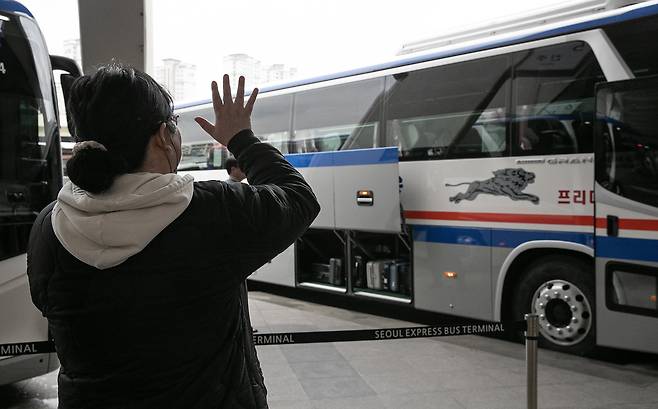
(531, 337)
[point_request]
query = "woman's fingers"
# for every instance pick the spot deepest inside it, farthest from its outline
(216, 100)
(207, 126)
(228, 99)
(230, 117)
(239, 97)
(252, 99)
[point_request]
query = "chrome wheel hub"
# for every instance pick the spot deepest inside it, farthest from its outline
(565, 315)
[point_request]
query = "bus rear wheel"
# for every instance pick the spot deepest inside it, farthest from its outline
(560, 290)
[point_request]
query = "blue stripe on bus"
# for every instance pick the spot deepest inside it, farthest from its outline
(468, 236)
(627, 248)
(507, 238)
(607, 247)
(310, 160)
(514, 238)
(586, 25)
(13, 6)
(344, 158)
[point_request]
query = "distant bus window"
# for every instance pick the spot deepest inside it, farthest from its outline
(339, 117)
(554, 99)
(196, 156)
(453, 111)
(636, 42)
(271, 121)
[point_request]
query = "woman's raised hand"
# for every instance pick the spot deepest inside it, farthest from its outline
(231, 116)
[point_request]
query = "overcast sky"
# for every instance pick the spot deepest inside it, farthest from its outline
(315, 37)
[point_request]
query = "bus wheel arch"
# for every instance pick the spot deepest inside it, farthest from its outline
(567, 311)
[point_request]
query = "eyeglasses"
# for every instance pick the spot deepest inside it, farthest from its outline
(172, 122)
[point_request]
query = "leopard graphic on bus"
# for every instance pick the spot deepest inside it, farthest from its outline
(508, 182)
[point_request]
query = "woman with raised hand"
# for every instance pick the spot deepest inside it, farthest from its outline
(139, 270)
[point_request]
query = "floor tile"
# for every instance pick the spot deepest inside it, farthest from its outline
(279, 388)
(331, 388)
(421, 401)
(362, 402)
(323, 369)
(311, 353)
(290, 404)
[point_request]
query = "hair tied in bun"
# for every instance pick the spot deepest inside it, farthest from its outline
(88, 145)
(92, 167)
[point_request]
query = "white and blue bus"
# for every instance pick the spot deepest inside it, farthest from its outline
(30, 176)
(506, 170)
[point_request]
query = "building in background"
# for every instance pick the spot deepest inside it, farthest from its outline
(255, 72)
(243, 64)
(178, 77)
(279, 72)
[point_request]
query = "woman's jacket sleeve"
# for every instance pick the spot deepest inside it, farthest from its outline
(273, 210)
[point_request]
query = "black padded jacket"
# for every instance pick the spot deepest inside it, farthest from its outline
(167, 328)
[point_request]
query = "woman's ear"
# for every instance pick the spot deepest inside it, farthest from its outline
(162, 138)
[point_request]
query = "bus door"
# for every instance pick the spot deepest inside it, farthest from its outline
(626, 146)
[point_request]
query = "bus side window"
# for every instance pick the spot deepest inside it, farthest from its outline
(631, 134)
(553, 98)
(452, 111)
(470, 144)
(339, 117)
(25, 174)
(545, 137)
(635, 41)
(270, 121)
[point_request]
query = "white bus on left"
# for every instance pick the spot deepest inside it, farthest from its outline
(30, 177)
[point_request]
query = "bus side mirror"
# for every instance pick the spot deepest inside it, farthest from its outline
(71, 72)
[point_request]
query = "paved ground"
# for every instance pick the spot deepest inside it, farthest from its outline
(441, 373)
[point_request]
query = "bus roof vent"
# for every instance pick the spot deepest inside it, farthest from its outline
(519, 21)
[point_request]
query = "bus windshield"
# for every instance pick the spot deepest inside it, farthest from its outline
(29, 172)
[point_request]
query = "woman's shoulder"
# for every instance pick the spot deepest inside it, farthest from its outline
(45, 215)
(42, 232)
(209, 192)
(209, 189)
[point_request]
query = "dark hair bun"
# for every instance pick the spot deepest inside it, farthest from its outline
(91, 167)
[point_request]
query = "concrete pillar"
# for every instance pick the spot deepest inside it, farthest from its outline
(116, 29)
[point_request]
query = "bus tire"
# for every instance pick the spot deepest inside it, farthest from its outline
(560, 289)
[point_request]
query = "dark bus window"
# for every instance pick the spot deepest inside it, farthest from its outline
(554, 99)
(344, 116)
(271, 121)
(453, 111)
(630, 135)
(30, 166)
(636, 42)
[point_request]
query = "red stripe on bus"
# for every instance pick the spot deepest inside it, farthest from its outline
(630, 224)
(502, 217)
(601, 223)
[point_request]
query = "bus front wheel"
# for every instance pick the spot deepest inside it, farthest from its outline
(560, 290)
